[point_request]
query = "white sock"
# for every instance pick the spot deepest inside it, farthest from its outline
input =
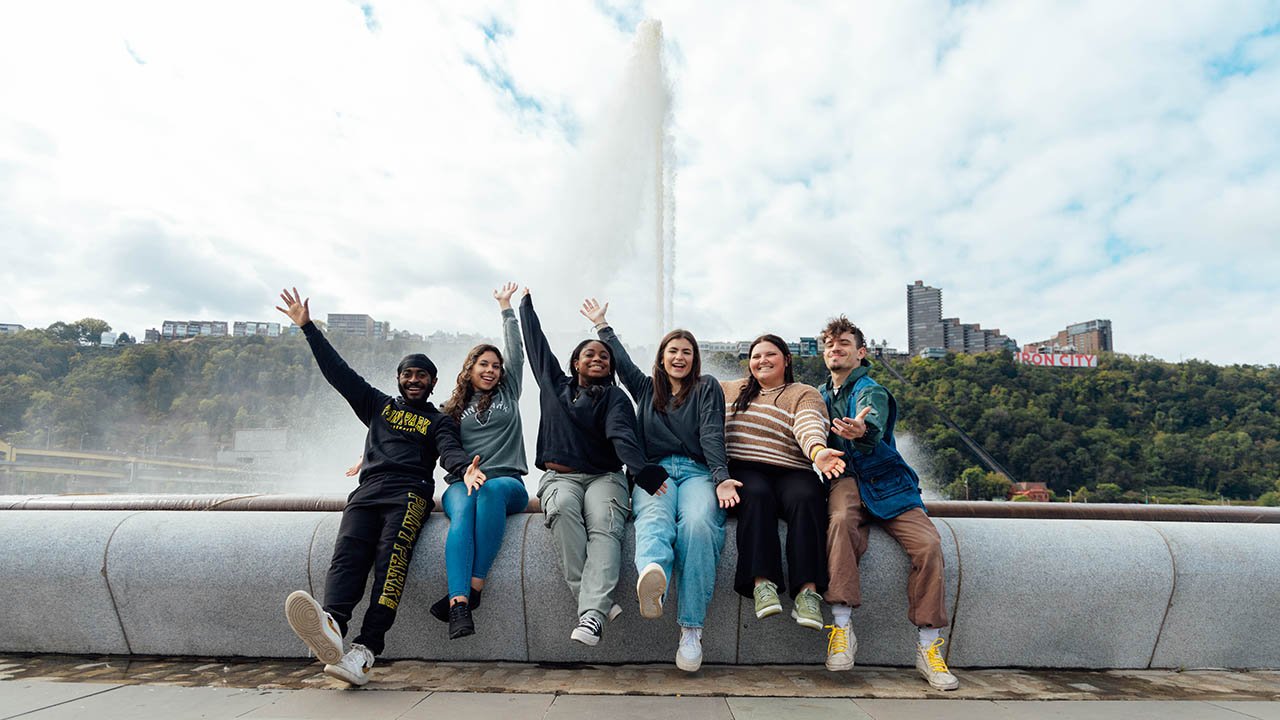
(842, 614)
(927, 636)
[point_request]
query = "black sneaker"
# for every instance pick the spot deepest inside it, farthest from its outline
(588, 631)
(440, 609)
(460, 622)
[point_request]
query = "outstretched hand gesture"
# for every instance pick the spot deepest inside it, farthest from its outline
(473, 478)
(298, 310)
(727, 493)
(355, 469)
(503, 295)
(593, 311)
(829, 463)
(851, 428)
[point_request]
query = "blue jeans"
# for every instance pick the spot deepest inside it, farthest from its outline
(682, 528)
(476, 525)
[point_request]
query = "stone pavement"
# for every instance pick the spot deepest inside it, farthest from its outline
(46, 687)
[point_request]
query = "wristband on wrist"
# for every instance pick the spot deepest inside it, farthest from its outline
(600, 325)
(814, 453)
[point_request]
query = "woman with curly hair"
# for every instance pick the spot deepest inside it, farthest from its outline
(486, 405)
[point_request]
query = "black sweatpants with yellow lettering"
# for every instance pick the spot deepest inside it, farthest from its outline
(378, 532)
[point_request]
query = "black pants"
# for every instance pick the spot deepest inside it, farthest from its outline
(378, 533)
(770, 492)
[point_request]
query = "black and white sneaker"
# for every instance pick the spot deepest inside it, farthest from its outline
(460, 622)
(588, 631)
(440, 608)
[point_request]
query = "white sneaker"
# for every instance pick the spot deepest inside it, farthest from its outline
(689, 654)
(354, 667)
(933, 668)
(650, 588)
(842, 645)
(315, 626)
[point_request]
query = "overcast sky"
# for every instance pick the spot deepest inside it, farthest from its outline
(1043, 163)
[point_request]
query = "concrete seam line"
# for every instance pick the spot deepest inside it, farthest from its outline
(955, 611)
(64, 702)
(524, 597)
(311, 586)
(1173, 564)
(107, 579)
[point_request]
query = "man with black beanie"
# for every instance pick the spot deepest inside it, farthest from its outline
(384, 514)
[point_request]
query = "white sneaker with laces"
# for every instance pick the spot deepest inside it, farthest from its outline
(933, 668)
(354, 667)
(650, 588)
(842, 645)
(689, 654)
(315, 626)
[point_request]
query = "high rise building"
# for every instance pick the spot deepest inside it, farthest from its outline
(927, 329)
(1089, 337)
(351, 324)
(924, 318)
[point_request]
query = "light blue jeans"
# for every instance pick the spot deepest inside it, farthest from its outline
(476, 525)
(683, 531)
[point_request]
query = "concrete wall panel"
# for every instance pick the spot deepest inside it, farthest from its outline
(1059, 593)
(1227, 597)
(54, 595)
(194, 583)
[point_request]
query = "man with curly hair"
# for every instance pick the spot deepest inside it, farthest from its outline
(877, 486)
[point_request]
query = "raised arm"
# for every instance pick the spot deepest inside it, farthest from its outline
(633, 377)
(513, 349)
(546, 369)
(363, 398)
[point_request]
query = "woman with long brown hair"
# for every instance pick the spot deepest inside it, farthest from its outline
(680, 418)
(486, 404)
(775, 437)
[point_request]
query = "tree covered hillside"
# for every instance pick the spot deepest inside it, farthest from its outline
(1179, 431)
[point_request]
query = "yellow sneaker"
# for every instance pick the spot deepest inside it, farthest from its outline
(933, 668)
(842, 645)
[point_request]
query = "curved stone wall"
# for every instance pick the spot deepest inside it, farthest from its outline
(1022, 592)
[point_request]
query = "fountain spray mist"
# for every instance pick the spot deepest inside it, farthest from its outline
(620, 224)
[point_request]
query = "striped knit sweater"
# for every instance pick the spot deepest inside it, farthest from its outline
(780, 427)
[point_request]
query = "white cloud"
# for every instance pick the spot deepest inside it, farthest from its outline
(1044, 163)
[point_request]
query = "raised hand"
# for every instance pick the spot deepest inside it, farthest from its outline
(851, 428)
(829, 463)
(727, 493)
(298, 310)
(504, 293)
(593, 311)
(473, 478)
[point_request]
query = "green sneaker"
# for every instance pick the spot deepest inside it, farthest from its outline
(808, 609)
(767, 602)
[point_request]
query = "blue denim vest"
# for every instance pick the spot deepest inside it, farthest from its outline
(887, 484)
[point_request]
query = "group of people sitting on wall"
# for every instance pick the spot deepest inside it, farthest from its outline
(690, 450)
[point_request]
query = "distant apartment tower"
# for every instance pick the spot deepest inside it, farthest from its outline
(924, 318)
(10, 328)
(180, 330)
(928, 330)
(243, 329)
(358, 325)
(381, 330)
(1089, 337)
